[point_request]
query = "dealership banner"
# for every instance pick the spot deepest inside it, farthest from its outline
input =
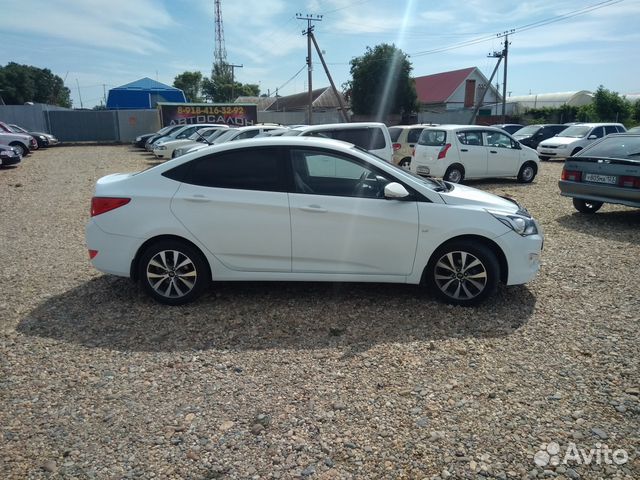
(237, 114)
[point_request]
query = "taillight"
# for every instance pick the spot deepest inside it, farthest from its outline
(443, 151)
(396, 147)
(571, 175)
(100, 205)
(627, 181)
(92, 254)
(413, 152)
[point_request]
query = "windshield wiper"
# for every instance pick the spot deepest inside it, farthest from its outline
(204, 139)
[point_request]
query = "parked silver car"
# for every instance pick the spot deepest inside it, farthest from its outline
(606, 172)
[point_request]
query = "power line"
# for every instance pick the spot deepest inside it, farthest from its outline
(523, 28)
(292, 78)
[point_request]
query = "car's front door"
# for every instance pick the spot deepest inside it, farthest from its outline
(342, 224)
(235, 203)
(503, 157)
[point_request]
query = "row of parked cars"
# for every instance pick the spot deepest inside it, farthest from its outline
(16, 142)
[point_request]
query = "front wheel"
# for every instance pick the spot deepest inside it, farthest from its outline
(463, 273)
(527, 172)
(20, 148)
(586, 206)
(173, 272)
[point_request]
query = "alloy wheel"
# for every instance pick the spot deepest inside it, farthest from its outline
(171, 273)
(460, 275)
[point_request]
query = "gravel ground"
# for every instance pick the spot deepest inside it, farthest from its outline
(284, 380)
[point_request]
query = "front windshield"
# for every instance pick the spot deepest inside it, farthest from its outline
(165, 130)
(575, 131)
(17, 129)
(527, 131)
(626, 147)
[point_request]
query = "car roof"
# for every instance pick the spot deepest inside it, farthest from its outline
(332, 126)
(464, 127)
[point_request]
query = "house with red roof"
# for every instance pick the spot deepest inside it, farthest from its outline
(455, 90)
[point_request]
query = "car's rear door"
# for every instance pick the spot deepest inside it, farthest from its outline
(235, 203)
(472, 152)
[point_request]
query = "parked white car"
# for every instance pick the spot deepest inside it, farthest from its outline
(574, 138)
(165, 149)
(305, 209)
(459, 152)
(201, 142)
(372, 136)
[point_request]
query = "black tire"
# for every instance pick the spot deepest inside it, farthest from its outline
(21, 148)
(451, 267)
(454, 174)
(576, 150)
(169, 285)
(586, 206)
(405, 162)
(528, 172)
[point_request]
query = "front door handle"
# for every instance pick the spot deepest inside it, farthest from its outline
(464, 149)
(493, 151)
(314, 209)
(197, 198)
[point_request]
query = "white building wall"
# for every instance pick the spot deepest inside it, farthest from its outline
(456, 101)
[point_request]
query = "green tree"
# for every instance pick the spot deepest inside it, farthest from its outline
(608, 106)
(381, 83)
(25, 83)
(222, 88)
(191, 84)
(636, 111)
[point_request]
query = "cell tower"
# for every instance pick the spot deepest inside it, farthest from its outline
(220, 52)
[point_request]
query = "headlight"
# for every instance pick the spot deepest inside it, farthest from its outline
(138, 139)
(520, 224)
(42, 137)
(160, 147)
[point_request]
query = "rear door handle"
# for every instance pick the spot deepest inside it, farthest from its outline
(197, 198)
(314, 209)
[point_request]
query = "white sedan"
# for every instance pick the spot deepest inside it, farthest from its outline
(307, 209)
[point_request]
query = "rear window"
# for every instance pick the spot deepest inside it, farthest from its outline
(626, 147)
(414, 135)
(395, 133)
(433, 138)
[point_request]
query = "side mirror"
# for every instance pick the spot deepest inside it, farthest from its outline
(592, 137)
(394, 190)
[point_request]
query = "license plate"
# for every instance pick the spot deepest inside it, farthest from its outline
(594, 177)
(423, 170)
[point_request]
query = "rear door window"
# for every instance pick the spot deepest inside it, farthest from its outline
(470, 137)
(610, 129)
(246, 169)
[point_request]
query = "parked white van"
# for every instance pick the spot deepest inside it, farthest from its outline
(574, 138)
(371, 136)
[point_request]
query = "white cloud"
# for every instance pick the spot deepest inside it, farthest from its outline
(117, 24)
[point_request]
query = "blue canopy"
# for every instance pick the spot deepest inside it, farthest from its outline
(142, 94)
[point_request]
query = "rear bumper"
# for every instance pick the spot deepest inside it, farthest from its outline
(600, 193)
(115, 252)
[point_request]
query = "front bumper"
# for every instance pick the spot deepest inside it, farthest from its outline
(557, 153)
(8, 160)
(600, 193)
(522, 255)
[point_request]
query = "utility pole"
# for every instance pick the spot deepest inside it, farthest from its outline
(104, 93)
(79, 95)
(233, 78)
(505, 54)
(343, 109)
(308, 32)
(497, 55)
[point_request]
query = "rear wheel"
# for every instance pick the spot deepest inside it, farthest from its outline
(173, 272)
(405, 163)
(454, 174)
(527, 172)
(586, 206)
(463, 273)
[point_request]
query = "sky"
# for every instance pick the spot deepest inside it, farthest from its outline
(95, 45)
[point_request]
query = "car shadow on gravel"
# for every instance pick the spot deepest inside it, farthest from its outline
(619, 225)
(110, 312)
